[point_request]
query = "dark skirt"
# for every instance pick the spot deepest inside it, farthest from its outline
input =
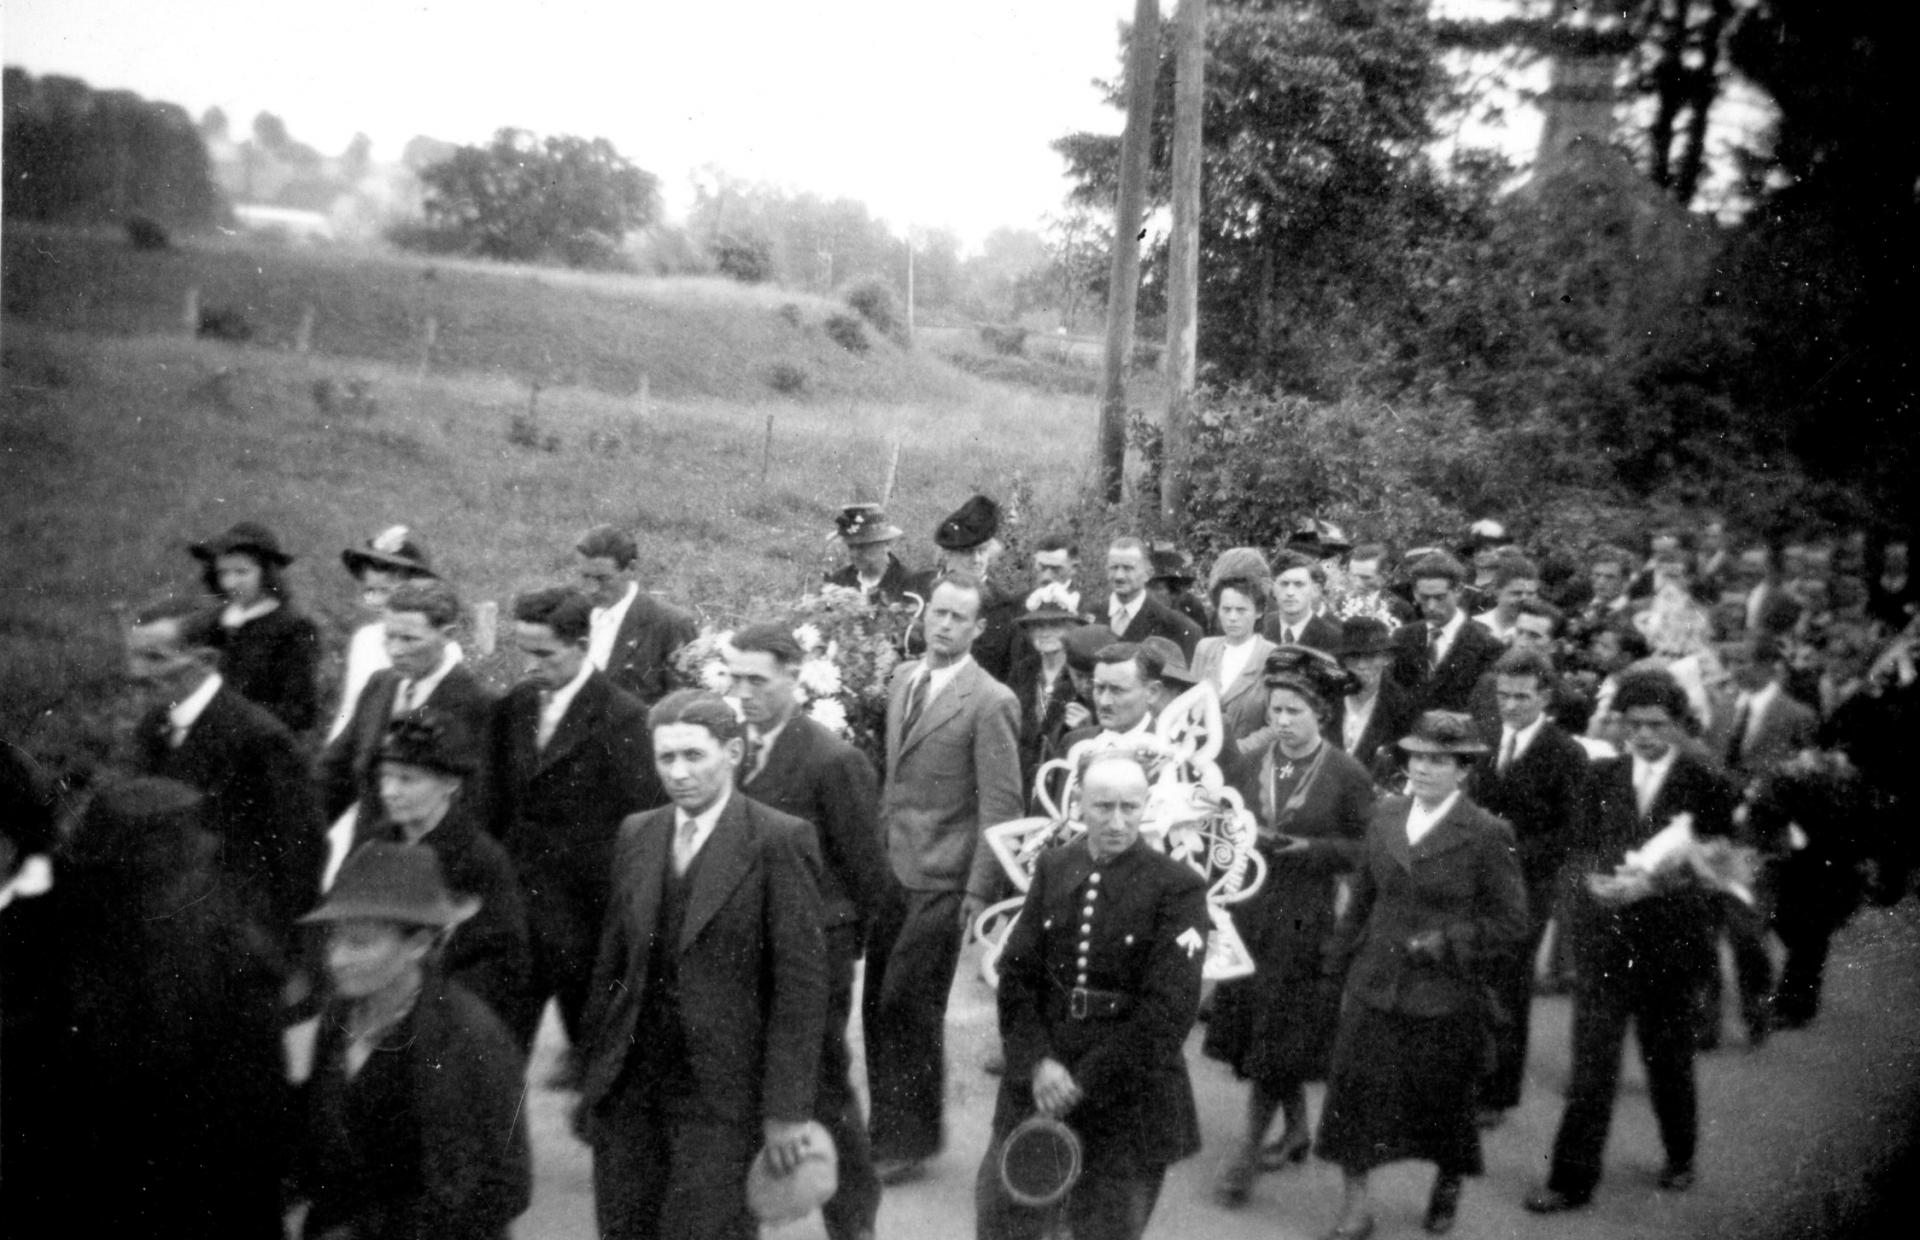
(1277, 1026)
(1403, 1087)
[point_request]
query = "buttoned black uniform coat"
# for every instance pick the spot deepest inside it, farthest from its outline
(259, 804)
(1135, 926)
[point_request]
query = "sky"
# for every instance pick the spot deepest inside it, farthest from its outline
(933, 114)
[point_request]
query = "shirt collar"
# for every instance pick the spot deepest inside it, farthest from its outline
(703, 822)
(449, 659)
(1524, 737)
(1421, 821)
(564, 695)
(186, 712)
(1121, 613)
(617, 612)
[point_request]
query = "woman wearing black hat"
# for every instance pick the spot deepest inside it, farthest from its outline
(424, 766)
(1438, 905)
(412, 1121)
(268, 651)
(1312, 802)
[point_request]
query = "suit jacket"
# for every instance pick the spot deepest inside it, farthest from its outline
(1666, 938)
(559, 810)
(1541, 796)
(1138, 932)
(954, 774)
(1392, 719)
(1449, 686)
(895, 584)
(1243, 704)
(1156, 619)
(642, 659)
(1784, 728)
(751, 964)
(1463, 880)
(1318, 632)
(259, 802)
(350, 768)
(815, 776)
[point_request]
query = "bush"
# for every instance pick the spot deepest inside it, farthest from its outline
(746, 259)
(1006, 341)
(786, 378)
(145, 234)
(225, 323)
(846, 331)
(873, 300)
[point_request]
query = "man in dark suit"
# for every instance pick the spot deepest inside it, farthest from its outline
(1640, 951)
(1132, 613)
(953, 769)
(1297, 582)
(709, 995)
(1099, 986)
(798, 767)
(1537, 781)
(425, 671)
(633, 636)
(197, 730)
(1440, 657)
(873, 569)
(568, 754)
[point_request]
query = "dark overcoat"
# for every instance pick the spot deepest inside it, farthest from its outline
(272, 661)
(642, 659)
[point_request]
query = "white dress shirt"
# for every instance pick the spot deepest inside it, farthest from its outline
(1120, 615)
(1513, 744)
(1449, 633)
(413, 694)
(1648, 778)
(1422, 821)
(686, 847)
(1353, 724)
(1233, 661)
(606, 627)
(553, 706)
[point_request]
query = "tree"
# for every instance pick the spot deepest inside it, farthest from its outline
(528, 199)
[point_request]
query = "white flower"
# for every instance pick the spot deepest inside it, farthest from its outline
(715, 676)
(829, 714)
(1056, 594)
(819, 678)
(808, 636)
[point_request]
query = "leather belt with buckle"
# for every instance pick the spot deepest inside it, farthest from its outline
(1085, 1004)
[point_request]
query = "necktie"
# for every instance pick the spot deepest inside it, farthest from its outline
(916, 701)
(1643, 787)
(683, 846)
(403, 698)
(750, 763)
(1508, 744)
(1433, 646)
(1737, 738)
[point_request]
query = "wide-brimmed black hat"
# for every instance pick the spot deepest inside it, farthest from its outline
(429, 739)
(1173, 660)
(975, 522)
(247, 538)
(1169, 563)
(1319, 539)
(1304, 667)
(860, 524)
(1364, 635)
(1039, 1161)
(1444, 731)
(391, 882)
(394, 549)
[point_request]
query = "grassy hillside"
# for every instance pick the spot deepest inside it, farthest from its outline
(119, 446)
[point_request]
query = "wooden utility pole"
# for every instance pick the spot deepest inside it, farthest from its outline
(1123, 291)
(1183, 284)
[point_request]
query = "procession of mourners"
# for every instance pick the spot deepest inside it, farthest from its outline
(279, 967)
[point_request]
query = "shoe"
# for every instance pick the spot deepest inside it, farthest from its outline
(1552, 1201)
(1676, 1179)
(1289, 1151)
(1356, 1231)
(892, 1171)
(1234, 1184)
(1443, 1205)
(1489, 1117)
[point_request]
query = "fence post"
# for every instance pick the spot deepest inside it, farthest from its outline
(190, 315)
(303, 336)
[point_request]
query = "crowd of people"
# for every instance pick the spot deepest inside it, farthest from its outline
(290, 965)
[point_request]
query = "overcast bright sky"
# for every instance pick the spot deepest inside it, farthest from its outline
(935, 113)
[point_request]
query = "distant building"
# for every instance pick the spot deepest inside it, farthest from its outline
(288, 222)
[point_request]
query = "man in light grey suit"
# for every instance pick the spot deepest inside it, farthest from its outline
(953, 768)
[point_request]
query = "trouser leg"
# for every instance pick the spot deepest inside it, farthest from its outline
(906, 1010)
(852, 1209)
(1665, 1032)
(1599, 1030)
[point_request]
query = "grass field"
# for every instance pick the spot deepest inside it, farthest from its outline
(122, 440)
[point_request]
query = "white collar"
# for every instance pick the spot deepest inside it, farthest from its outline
(1139, 729)
(233, 616)
(1121, 613)
(186, 712)
(1759, 700)
(703, 823)
(939, 678)
(617, 612)
(563, 696)
(1653, 774)
(1422, 821)
(1525, 736)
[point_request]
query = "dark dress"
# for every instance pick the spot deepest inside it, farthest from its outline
(1413, 1040)
(272, 662)
(426, 1141)
(1276, 1027)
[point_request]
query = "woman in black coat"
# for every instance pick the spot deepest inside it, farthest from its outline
(269, 652)
(1438, 904)
(411, 1119)
(1312, 802)
(1043, 680)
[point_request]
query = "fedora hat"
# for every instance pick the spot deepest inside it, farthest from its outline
(394, 549)
(1444, 731)
(246, 537)
(1173, 659)
(429, 739)
(776, 1199)
(1039, 1161)
(392, 882)
(860, 524)
(1318, 538)
(1364, 635)
(973, 523)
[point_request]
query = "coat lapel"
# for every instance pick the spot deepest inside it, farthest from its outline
(724, 860)
(946, 705)
(651, 871)
(1252, 673)
(576, 724)
(1393, 834)
(1447, 834)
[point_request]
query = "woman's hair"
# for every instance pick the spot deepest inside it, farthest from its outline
(1243, 585)
(272, 582)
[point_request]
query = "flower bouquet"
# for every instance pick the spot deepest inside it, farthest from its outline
(1675, 858)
